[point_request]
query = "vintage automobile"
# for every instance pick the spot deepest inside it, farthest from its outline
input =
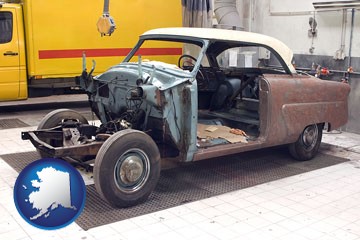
(230, 92)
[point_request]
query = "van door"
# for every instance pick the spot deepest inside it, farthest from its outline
(9, 55)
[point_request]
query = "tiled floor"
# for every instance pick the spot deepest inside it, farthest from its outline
(321, 204)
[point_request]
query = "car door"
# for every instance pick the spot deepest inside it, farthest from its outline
(9, 55)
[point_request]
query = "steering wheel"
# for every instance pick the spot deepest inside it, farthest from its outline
(192, 63)
(203, 80)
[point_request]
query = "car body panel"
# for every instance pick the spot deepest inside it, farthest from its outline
(287, 102)
(203, 108)
(299, 101)
(273, 104)
(13, 82)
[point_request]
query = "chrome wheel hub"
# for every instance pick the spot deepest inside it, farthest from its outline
(310, 136)
(131, 169)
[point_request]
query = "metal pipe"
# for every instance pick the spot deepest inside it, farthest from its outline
(351, 34)
(106, 7)
(226, 13)
(336, 5)
(251, 17)
(321, 7)
(343, 30)
(330, 70)
(340, 54)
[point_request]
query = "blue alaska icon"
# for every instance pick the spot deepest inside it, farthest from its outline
(49, 193)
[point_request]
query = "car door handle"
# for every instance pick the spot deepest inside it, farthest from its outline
(10, 53)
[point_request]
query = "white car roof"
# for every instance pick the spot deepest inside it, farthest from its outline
(230, 35)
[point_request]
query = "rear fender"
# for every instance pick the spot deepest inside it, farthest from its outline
(298, 101)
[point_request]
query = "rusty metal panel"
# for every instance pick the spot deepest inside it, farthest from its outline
(298, 101)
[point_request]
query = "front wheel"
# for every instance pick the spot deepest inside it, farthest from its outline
(307, 146)
(127, 168)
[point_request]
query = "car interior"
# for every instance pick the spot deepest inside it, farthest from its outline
(228, 87)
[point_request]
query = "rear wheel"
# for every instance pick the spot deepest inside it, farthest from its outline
(307, 146)
(127, 168)
(54, 119)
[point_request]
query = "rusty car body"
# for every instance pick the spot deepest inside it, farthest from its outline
(230, 92)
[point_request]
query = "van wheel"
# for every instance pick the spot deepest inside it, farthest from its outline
(307, 146)
(127, 168)
(53, 119)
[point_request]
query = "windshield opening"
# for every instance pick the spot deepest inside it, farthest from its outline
(183, 54)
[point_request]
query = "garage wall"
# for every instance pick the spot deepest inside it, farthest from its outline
(288, 20)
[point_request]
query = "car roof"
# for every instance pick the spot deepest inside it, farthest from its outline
(228, 35)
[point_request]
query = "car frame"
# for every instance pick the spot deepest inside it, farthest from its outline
(195, 110)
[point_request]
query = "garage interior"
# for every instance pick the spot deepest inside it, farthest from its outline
(260, 194)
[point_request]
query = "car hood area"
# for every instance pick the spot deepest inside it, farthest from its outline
(159, 74)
